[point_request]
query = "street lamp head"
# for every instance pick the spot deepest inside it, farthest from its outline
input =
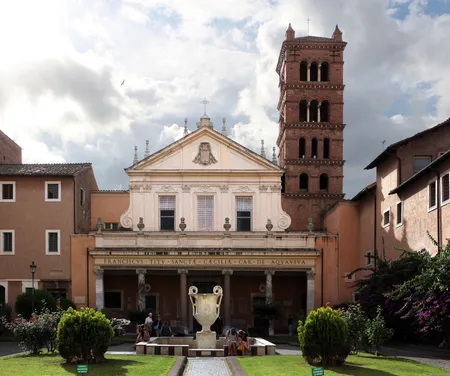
(33, 268)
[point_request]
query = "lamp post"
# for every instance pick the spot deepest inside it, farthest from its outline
(32, 270)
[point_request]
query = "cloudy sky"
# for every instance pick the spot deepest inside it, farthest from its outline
(62, 64)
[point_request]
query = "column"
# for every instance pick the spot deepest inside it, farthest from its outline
(227, 296)
(183, 296)
(141, 289)
(310, 284)
(99, 291)
(318, 115)
(318, 72)
(307, 112)
(269, 295)
(308, 73)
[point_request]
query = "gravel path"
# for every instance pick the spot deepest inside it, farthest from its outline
(206, 367)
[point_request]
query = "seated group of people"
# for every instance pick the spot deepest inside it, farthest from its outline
(155, 329)
(237, 341)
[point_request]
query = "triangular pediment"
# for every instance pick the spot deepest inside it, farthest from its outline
(204, 150)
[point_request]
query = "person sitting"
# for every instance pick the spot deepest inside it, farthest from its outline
(156, 326)
(165, 330)
(243, 343)
(231, 339)
(179, 330)
(143, 335)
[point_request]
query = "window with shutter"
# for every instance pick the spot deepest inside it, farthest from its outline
(167, 213)
(432, 195)
(244, 213)
(446, 188)
(205, 213)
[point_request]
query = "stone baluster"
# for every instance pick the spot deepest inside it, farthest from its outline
(141, 289)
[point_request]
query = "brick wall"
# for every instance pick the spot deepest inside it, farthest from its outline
(10, 152)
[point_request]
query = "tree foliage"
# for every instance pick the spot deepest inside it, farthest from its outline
(357, 324)
(323, 337)
(426, 296)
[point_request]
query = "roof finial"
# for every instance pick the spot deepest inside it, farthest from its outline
(224, 126)
(185, 127)
(274, 156)
(263, 151)
(290, 33)
(147, 150)
(136, 156)
(337, 34)
(308, 20)
(205, 102)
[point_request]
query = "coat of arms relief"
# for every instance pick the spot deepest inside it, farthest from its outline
(205, 156)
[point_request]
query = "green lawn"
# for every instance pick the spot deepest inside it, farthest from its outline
(359, 365)
(116, 365)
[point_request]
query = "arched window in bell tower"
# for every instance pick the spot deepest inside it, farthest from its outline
(314, 71)
(304, 71)
(314, 111)
(324, 68)
(325, 111)
(326, 148)
(304, 182)
(303, 107)
(323, 183)
(314, 148)
(301, 148)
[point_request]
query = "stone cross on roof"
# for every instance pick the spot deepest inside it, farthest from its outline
(204, 102)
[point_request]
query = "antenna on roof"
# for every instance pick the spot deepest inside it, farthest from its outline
(382, 144)
(308, 20)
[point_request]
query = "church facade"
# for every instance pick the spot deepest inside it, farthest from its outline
(207, 211)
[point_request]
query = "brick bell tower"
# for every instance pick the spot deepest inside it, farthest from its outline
(311, 128)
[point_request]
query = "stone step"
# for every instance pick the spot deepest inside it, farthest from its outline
(206, 352)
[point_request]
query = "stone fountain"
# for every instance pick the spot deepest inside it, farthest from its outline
(206, 308)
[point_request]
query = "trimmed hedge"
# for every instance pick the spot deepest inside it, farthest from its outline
(324, 337)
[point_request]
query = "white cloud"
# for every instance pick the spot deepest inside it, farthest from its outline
(63, 62)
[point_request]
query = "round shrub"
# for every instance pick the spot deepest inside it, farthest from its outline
(84, 336)
(42, 299)
(324, 337)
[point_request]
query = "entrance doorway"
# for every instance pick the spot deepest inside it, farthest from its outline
(259, 323)
(204, 287)
(150, 304)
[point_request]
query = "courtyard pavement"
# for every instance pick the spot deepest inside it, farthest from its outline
(9, 348)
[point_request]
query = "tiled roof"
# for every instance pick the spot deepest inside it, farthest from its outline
(48, 169)
(388, 151)
(444, 157)
(363, 191)
(311, 38)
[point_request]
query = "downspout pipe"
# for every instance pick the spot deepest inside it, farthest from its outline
(438, 210)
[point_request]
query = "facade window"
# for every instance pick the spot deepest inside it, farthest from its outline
(314, 111)
(325, 111)
(303, 108)
(3, 293)
(304, 182)
(52, 242)
(302, 148)
(113, 299)
(244, 206)
(314, 71)
(368, 256)
(7, 242)
(386, 217)
(167, 213)
(421, 162)
(326, 148)
(82, 198)
(205, 213)
(432, 193)
(324, 69)
(445, 188)
(304, 71)
(8, 191)
(399, 217)
(52, 191)
(323, 182)
(314, 148)
(111, 226)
